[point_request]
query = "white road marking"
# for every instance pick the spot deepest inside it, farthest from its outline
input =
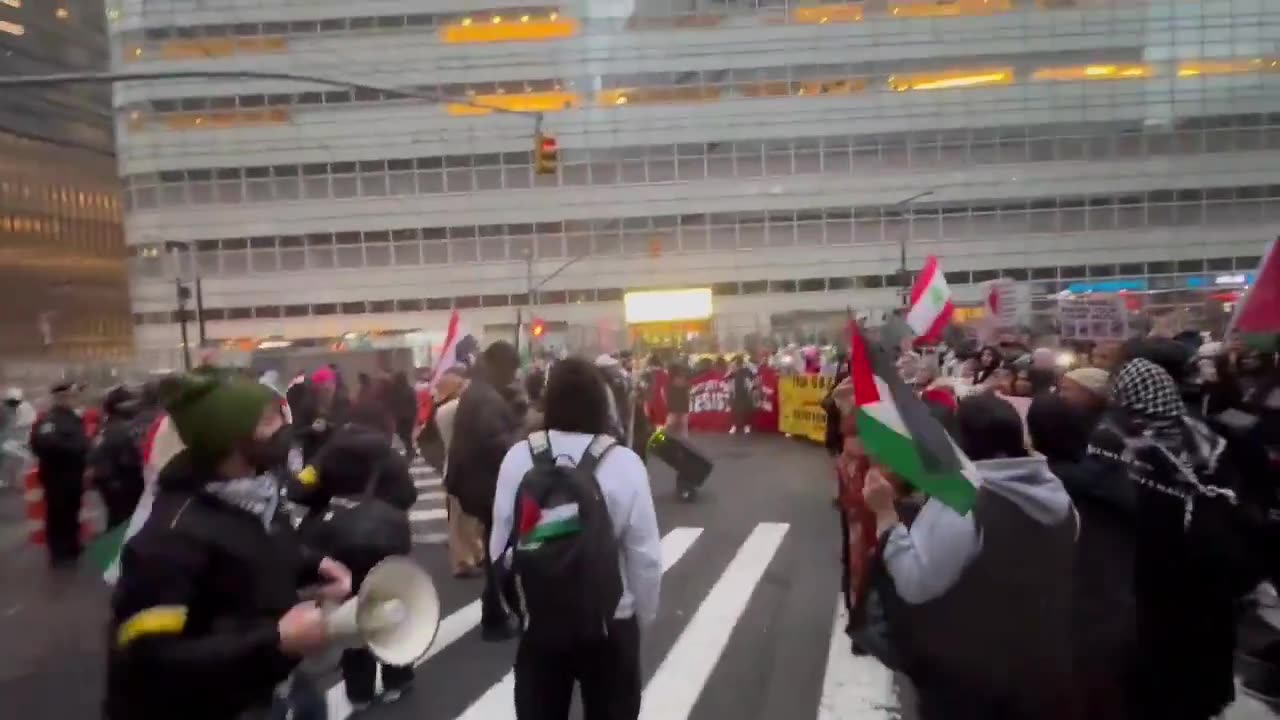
(452, 628)
(854, 688)
(675, 687)
(498, 702)
(431, 495)
(436, 538)
(426, 515)
(437, 482)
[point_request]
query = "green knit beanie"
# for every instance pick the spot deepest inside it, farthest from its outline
(214, 411)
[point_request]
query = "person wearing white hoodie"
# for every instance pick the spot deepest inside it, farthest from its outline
(978, 606)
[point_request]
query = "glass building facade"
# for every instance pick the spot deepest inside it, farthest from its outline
(62, 249)
(787, 155)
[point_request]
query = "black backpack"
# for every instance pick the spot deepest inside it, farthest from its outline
(564, 552)
(359, 532)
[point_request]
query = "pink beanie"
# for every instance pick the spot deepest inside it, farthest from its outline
(324, 377)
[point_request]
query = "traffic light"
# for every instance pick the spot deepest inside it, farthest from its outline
(546, 155)
(537, 329)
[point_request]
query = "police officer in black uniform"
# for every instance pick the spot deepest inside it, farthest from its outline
(62, 449)
(115, 463)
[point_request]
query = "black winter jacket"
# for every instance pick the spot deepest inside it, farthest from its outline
(193, 618)
(485, 427)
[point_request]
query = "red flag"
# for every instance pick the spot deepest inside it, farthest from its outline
(1259, 311)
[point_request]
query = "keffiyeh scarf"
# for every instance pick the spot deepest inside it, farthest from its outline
(259, 496)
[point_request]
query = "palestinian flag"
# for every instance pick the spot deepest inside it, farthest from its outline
(103, 552)
(900, 433)
(1259, 312)
(538, 525)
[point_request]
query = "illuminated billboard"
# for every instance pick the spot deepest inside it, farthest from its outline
(667, 305)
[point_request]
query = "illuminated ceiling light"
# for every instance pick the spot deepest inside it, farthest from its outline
(62, 13)
(1099, 70)
(12, 28)
(496, 19)
(620, 100)
(466, 21)
(137, 52)
(553, 16)
(524, 18)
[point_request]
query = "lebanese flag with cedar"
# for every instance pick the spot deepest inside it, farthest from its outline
(931, 308)
(1259, 311)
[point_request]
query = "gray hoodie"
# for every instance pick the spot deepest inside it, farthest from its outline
(927, 560)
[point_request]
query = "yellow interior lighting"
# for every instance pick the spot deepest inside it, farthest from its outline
(657, 95)
(497, 28)
(228, 119)
(827, 14)
(942, 8)
(12, 28)
(819, 88)
(12, 3)
(1093, 72)
(532, 102)
(952, 79)
(1196, 68)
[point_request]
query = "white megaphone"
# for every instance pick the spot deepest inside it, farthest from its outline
(395, 614)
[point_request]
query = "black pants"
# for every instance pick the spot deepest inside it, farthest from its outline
(121, 501)
(608, 675)
(498, 586)
(62, 516)
(360, 672)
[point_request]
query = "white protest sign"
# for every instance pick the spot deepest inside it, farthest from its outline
(1093, 317)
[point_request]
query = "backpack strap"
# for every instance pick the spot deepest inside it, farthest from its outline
(540, 448)
(599, 447)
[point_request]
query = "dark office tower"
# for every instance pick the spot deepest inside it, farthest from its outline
(62, 250)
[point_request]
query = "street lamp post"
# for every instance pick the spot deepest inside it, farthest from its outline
(531, 290)
(904, 275)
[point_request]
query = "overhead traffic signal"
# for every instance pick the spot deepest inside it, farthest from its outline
(546, 154)
(537, 329)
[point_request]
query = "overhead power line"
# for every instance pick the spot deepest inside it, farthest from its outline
(115, 77)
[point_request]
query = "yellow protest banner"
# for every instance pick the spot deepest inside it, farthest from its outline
(800, 410)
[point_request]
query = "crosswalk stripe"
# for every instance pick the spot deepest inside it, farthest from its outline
(454, 626)
(425, 515)
(675, 687)
(423, 470)
(431, 495)
(435, 538)
(854, 687)
(498, 702)
(437, 482)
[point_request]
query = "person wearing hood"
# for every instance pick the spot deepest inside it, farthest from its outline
(1104, 616)
(357, 463)
(206, 618)
(978, 605)
(1194, 552)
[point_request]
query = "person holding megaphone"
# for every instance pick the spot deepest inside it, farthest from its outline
(358, 490)
(206, 621)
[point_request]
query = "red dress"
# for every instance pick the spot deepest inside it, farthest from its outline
(860, 526)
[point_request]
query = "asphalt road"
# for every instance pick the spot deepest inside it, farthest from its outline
(747, 629)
